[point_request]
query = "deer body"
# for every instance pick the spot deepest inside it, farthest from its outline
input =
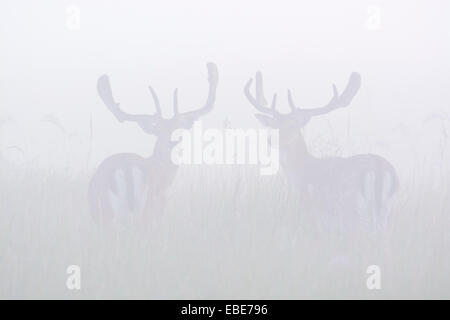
(348, 174)
(128, 186)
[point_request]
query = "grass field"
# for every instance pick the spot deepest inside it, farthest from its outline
(226, 232)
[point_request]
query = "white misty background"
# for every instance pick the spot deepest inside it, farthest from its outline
(226, 232)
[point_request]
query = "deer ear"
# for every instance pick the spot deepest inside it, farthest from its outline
(266, 120)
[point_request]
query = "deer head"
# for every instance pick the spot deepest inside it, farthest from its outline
(155, 124)
(297, 118)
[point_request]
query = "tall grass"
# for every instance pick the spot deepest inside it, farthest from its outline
(226, 232)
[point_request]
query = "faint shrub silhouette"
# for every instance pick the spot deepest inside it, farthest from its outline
(8, 152)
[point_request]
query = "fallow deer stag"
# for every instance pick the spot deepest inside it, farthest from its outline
(128, 185)
(344, 191)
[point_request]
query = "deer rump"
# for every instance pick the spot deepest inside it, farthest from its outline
(122, 189)
(348, 194)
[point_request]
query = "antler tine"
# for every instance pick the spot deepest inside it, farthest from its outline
(259, 101)
(175, 102)
(213, 78)
(156, 101)
(105, 93)
(259, 90)
(291, 101)
(340, 101)
(274, 101)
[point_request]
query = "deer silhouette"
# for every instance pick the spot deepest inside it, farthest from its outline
(345, 192)
(128, 185)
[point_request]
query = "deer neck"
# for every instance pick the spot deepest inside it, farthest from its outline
(295, 155)
(161, 156)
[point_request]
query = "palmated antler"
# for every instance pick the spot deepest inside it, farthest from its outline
(146, 122)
